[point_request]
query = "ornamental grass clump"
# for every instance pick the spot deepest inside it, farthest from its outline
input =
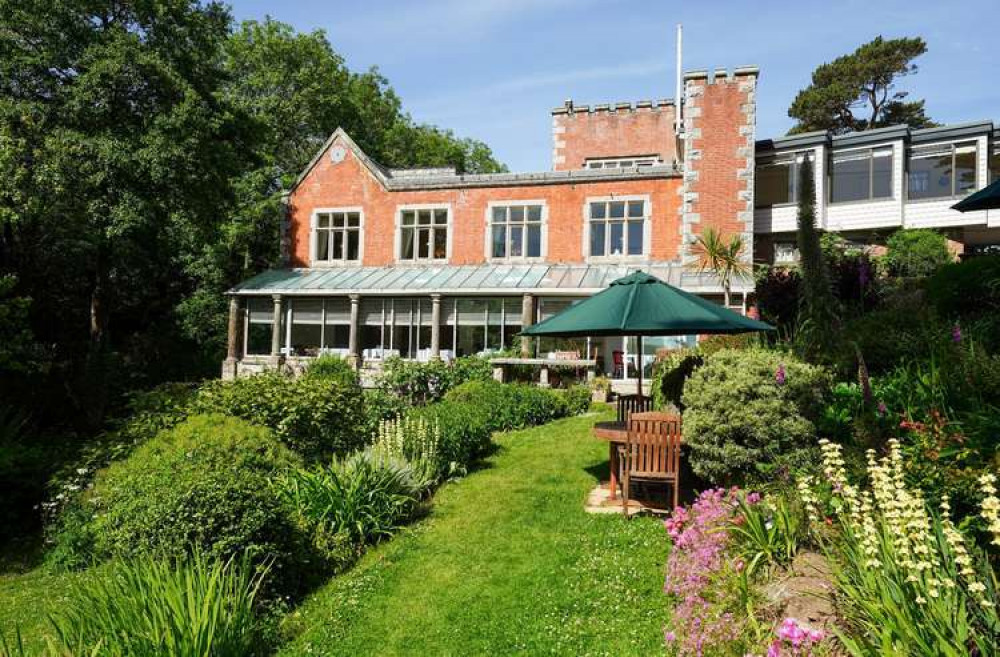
(909, 582)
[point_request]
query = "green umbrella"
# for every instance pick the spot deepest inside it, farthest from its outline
(640, 305)
(987, 198)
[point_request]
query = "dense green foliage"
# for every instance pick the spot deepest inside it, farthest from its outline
(363, 497)
(145, 148)
(749, 412)
(419, 383)
(316, 416)
(916, 252)
(670, 373)
(204, 485)
(149, 607)
(867, 79)
(818, 317)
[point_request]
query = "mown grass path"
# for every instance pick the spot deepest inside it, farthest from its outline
(508, 562)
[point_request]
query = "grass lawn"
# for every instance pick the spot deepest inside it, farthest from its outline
(507, 562)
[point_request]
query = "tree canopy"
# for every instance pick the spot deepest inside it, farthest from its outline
(143, 150)
(859, 91)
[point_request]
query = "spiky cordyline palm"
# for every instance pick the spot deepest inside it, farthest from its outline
(721, 257)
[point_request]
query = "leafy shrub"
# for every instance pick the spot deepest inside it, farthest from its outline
(465, 431)
(363, 497)
(150, 607)
(512, 405)
(315, 416)
(748, 412)
(777, 292)
(379, 406)
(333, 367)
(419, 383)
(669, 375)
(916, 252)
(578, 399)
(904, 328)
(203, 485)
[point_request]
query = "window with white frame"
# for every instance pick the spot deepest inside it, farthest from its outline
(617, 227)
(622, 162)
(942, 170)
(337, 236)
(423, 234)
(861, 175)
(516, 231)
(776, 181)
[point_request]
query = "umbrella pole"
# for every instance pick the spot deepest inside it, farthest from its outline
(638, 361)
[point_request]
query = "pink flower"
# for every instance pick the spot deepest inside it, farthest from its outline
(956, 333)
(670, 637)
(779, 375)
(753, 498)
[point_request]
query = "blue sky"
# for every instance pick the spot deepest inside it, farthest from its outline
(493, 69)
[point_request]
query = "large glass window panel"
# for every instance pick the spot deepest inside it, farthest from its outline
(440, 243)
(534, 242)
(322, 244)
(499, 241)
(305, 338)
(260, 318)
(930, 172)
(882, 174)
(617, 238)
(337, 336)
(616, 210)
(516, 241)
(994, 166)
(850, 177)
(635, 238)
(965, 168)
(353, 245)
(597, 238)
(406, 244)
(598, 210)
(773, 183)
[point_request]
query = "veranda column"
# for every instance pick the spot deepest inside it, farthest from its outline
(276, 332)
(435, 326)
(527, 319)
(352, 340)
(232, 345)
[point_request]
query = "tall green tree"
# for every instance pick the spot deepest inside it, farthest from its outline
(818, 311)
(858, 91)
(124, 151)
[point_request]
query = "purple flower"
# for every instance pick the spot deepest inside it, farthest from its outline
(753, 498)
(670, 636)
(779, 375)
(956, 333)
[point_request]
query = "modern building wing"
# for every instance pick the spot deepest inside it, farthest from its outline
(871, 183)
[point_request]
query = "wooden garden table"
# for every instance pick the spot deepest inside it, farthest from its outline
(616, 434)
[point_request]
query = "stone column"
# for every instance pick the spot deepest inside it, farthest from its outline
(233, 351)
(527, 319)
(353, 356)
(276, 332)
(435, 326)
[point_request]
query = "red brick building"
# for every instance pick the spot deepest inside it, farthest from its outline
(427, 263)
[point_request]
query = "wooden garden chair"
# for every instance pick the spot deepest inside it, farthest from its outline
(652, 453)
(628, 404)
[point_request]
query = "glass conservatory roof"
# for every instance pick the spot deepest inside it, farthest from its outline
(575, 279)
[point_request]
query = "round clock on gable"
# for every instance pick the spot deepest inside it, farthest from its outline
(337, 154)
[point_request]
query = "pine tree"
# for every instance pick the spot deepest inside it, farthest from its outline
(818, 312)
